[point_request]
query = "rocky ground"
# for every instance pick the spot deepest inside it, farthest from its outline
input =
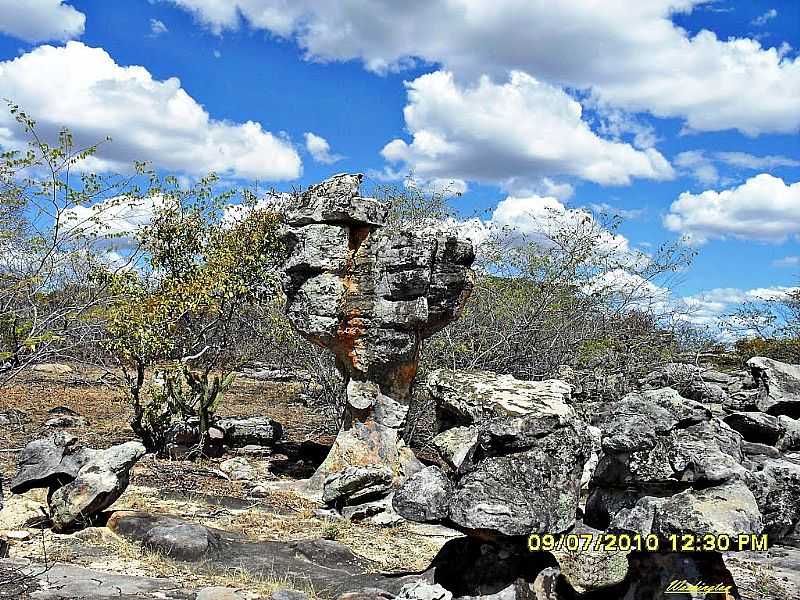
(262, 517)
(199, 492)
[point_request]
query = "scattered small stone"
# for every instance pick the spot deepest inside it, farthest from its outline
(238, 469)
(288, 595)
(66, 422)
(16, 535)
(52, 368)
(366, 594)
(224, 593)
(327, 513)
(13, 417)
(422, 590)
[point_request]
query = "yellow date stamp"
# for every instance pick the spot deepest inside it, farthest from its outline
(635, 542)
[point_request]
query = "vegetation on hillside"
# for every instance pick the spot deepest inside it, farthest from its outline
(179, 304)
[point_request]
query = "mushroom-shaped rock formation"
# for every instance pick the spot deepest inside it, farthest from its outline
(370, 293)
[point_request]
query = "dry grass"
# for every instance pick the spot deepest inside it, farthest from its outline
(392, 549)
(180, 488)
(132, 558)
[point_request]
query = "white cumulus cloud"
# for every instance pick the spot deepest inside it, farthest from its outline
(763, 208)
(147, 119)
(629, 53)
(40, 20)
(494, 132)
(320, 150)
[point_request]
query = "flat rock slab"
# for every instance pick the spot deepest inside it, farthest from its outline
(66, 582)
(330, 567)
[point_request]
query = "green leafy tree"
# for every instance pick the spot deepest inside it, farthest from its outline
(201, 292)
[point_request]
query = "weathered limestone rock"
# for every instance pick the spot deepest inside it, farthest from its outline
(728, 509)
(674, 375)
(424, 497)
(756, 427)
(354, 484)
(49, 463)
(516, 448)
(239, 432)
(669, 466)
(81, 481)
(527, 478)
(635, 422)
(591, 568)
(369, 293)
(456, 446)
(790, 439)
(469, 397)
(779, 386)
(776, 487)
(99, 482)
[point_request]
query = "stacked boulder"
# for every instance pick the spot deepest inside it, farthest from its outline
(771, 433)
(513, 455)
(762, 406)
(668, 467)
(370, 293)
(81, 481)
(515, 450)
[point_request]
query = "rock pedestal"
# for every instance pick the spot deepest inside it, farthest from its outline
(370, 293)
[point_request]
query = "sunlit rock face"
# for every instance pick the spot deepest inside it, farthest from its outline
(370, 293)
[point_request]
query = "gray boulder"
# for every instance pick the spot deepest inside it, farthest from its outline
(49, 463)
(790, 440)
(497, 494)
(705, 392)
(355, 485)
(708, 452)
(635, 422)
(424, 497)
(727, 509)
(778, 386)
(98, 484)
(676, 375)
(666, 463)
(456, 446)
(776, 487)
(756, 427)
(245, 431)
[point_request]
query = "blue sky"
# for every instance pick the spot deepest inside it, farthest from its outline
(681, 114)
